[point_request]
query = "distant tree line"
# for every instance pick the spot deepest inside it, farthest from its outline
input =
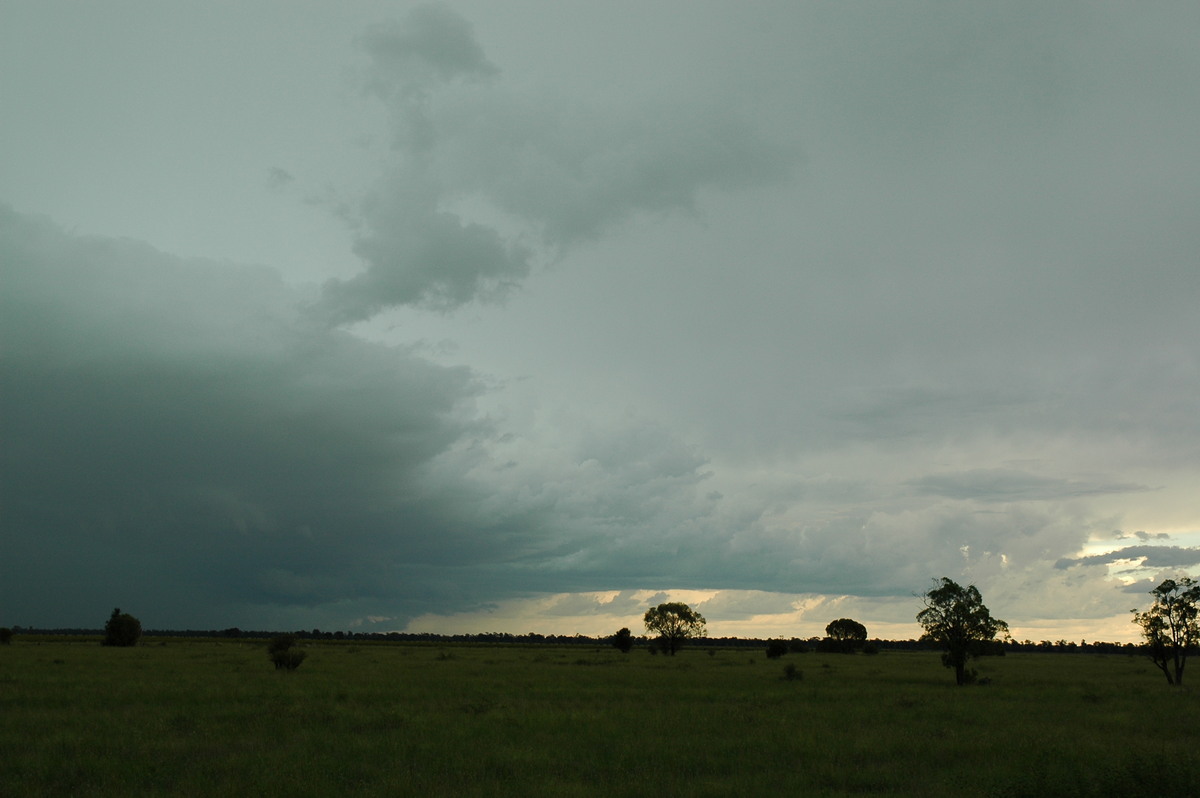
(795, 644)
(954, 618)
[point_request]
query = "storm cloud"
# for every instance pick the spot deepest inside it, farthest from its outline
(435, 321)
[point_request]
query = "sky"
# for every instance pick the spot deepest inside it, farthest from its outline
(525, 317)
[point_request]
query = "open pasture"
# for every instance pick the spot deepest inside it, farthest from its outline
(209, 717)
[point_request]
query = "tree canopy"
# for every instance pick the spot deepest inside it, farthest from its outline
(1172, 626)
(622, 640)
(956, 620)
(846, 629)
(674, 622)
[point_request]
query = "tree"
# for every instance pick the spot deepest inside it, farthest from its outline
(846, 629)
(674, 622)
(122, 629)
(623, 640)
(843, 636)
(956, 620)
(776, 648)
(1172, 626)
(6, 635)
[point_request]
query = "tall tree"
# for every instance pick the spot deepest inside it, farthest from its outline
(674, 622)
(956, 620)
(1172, 626)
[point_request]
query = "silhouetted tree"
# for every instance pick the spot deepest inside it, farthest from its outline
(122, 629)
(1172, 626)
(776, 648)
(846, 629)
(955, 619)
(674, 622)
(843, 636)
(622, 640)
(6, 635)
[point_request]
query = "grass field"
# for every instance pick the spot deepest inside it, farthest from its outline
(208, 717)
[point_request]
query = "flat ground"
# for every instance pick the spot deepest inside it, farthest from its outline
(208, 717)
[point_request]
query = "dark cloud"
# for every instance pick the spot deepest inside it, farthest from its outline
(176, 422)
(1144, 536)
(1148, 557)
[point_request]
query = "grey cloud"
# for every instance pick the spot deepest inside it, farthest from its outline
(555, 173)
(418, 255)
(1141, 535)
(1144, 536)
(573, 172)
(1149, 557)
(432, 44)
(1007, 485)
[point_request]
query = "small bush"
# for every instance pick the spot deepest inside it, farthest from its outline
(284, 653)
(6, 635)
(870, 648)
(791, 673)
(776, 649)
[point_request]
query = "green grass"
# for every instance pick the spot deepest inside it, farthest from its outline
(212, 717)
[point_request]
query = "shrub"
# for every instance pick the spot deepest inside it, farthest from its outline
(284, 653)
(6, 635)
(776, 649)
(791, 673)
(870, 648)
(122, 629)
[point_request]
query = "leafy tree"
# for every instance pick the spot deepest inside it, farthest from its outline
(846, 629)
(623, 640)
(956, 620)
(674, 622)
(843, 636)
(1172, 626)
(776, 648)
(122, 629)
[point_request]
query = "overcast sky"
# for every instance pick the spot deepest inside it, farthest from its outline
(523, 316)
